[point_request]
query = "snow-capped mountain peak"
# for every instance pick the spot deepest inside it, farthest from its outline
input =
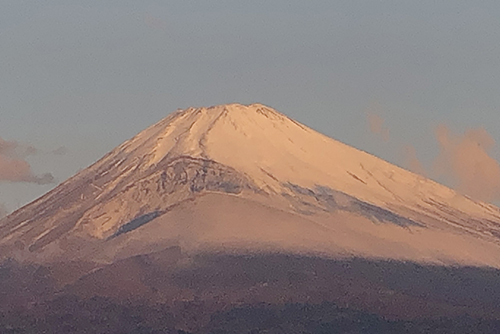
(249, 177)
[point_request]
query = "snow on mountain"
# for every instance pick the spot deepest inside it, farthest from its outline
(249, 178)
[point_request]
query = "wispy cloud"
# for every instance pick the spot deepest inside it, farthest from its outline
(412, 162)
(376, 123)
(466, 159)
(15, 168)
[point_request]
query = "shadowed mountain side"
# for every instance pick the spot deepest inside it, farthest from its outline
(235, 293)
(375, 286)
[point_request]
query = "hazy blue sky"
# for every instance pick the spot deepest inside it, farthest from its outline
(87, 75)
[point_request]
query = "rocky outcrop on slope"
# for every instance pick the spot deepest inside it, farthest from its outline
(172, 183)
(94, 212)
(320, 198)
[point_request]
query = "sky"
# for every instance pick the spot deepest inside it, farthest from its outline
(413, 82)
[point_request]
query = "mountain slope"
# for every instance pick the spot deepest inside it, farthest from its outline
(247, 178)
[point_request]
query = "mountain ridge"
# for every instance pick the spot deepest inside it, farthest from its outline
(260, 156)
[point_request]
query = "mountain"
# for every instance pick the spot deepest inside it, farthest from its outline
(238, 219)
(248, 178)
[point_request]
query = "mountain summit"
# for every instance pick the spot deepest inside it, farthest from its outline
(249, 179)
